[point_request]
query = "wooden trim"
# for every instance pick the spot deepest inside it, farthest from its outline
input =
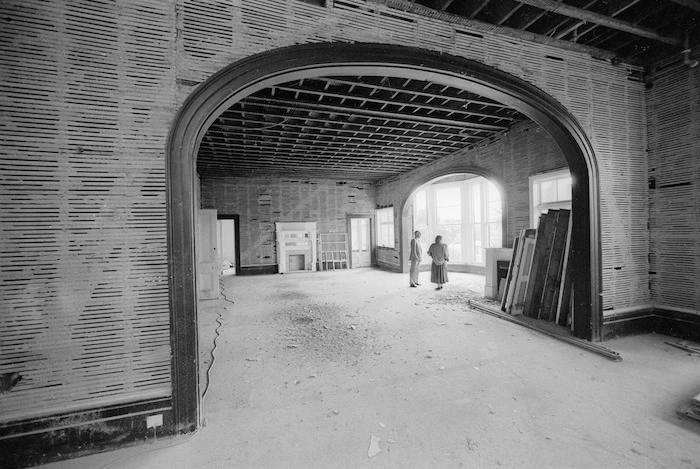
(258, 270)
(647, 319)
(47, 439)
(247, 76)
(372, 236)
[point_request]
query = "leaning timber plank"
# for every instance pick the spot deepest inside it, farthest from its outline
(515, 258)
(540, 259)
(599, 349)
(562, 306)
(688, 410)
(550, 294)
(523, 276)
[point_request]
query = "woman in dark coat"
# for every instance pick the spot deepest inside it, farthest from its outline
(438, 268)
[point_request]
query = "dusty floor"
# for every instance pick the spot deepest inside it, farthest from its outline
(320, 370)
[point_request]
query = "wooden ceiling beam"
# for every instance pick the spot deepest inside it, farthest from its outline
(311, 145)
(258, 157)
(273, 166)
(340, 127)
(613, 14)
(423, 92)
(404, 118)
(554, 6)
(401, 104)
(472, 24)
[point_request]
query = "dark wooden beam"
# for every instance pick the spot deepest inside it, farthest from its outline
(603, 20)
(403, 5)
(404, 89)
(417, 105)
(292, 104)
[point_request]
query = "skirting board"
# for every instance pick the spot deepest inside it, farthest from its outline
(48, 439)
(259, 269)
(667, 321)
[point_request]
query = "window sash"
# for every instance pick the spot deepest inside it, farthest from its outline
(385, 227)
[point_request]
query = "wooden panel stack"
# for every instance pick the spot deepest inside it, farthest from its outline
(539, 278)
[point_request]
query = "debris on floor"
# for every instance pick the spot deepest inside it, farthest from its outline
(374, 448)
(685, 346)
(692, 409)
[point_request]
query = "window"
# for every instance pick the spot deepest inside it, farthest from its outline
(466, 211)
(385, 227)
(448, 212)
(549, 191)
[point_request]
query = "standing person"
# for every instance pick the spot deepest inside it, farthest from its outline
(438, 268)
(415, 258)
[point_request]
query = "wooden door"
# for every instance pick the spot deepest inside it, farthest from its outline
(208, 263)
(360, 242)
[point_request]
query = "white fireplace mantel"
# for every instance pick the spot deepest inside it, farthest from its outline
(296, 246)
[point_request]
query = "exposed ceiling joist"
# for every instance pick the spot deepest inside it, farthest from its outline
(483, 26)
(597, 18)
(643, 33)
(340, 127)
(391, 116)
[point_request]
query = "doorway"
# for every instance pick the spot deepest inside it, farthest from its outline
(360, 242)
(228, 243)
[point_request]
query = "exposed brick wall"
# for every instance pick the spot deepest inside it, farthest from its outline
(508, 160)
(261, 202)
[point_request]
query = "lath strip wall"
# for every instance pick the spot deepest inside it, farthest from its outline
(601, 96)
(511, 158)
(261, 202)
(100, 76)
(619, 137)
(86, 99)
(674, 199)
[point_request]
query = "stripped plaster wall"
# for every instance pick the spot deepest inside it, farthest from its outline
(607, 100)
(508, 160)
(261, 202)
(674, 188)
(94, 88)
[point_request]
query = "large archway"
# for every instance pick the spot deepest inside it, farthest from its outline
(406, 225)
(249, 75)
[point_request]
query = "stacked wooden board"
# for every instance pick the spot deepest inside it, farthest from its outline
(538, 284)
(691, 409)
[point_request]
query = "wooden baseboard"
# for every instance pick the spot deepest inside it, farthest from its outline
(40, 441)
(388, 266)
(667, 321)
(259, 269)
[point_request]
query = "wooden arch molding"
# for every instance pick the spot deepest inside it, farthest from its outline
(260, 71)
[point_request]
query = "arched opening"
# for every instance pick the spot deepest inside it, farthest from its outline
(466, 208)
(247, 76)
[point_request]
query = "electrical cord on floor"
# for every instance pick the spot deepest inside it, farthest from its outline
(204, 394)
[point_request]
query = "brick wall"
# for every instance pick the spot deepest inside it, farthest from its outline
(261, 202)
